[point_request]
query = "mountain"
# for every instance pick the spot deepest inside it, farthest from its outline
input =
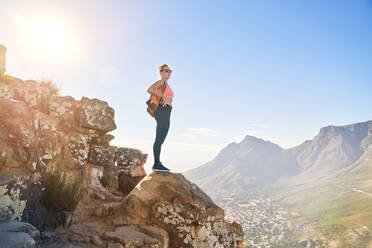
(324, 191)
(334, 149)
(251, 163)
(335, 210)
(255, 162)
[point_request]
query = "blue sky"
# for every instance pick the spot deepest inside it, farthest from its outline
(278, 70)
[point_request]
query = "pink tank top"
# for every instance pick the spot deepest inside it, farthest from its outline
(168, 91)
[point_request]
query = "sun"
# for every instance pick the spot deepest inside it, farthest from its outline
(48, 37)
(19, 20)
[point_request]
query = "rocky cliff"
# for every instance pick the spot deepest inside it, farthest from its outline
(119, 205)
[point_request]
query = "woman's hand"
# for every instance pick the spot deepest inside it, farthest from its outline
(167, 100)
(163, 100)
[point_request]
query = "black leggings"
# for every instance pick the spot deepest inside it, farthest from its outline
(162, 117)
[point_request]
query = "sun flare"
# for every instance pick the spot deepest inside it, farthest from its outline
(48, 37)
(19, 20)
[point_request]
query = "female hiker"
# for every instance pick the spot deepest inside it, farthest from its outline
(162, 114)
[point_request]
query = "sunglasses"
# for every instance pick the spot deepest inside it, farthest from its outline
(167, 70)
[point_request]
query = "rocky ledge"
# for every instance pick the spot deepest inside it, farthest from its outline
(119, 205)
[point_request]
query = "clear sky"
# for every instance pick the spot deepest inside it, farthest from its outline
(278, 70)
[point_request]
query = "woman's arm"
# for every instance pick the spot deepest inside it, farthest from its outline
(152, 89)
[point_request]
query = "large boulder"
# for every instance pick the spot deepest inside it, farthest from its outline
(102, 155)
(12, 157)
(96, 114)
(63, 107)
(16, 239)
(123, 166)
(10, 108)
(131, 238)
(163, 210)
(79, 145)
(17, 123)
(33, 94)
(18, 226)
(180, 207)
(11, 202)
(6, 90)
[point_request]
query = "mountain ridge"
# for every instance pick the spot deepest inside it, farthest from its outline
(331, 150)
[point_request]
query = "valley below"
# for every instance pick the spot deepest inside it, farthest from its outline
(269, 223)
(263, 223)
(325, 214)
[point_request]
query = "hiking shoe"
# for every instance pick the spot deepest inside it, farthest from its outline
(160, 167)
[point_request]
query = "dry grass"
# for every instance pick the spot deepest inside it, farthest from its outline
(53, 88)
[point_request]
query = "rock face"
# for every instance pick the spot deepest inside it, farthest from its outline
(18, 234)
(120, 206)
(39, 129)
(180, 207)
(16, 239)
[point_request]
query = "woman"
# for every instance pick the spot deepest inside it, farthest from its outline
(162, 114)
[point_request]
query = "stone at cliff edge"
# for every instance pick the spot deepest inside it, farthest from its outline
(190, 216)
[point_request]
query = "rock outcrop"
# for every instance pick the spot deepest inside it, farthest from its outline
(182, 209)
(18, 234)
(120, 206)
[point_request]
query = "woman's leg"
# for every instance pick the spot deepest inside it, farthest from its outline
(162, 117)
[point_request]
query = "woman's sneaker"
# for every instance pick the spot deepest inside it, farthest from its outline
(160, 167)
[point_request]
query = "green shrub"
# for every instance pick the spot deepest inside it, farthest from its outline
(60, 194)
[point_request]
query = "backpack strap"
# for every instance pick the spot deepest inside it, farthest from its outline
(155, 99)
(164, 87)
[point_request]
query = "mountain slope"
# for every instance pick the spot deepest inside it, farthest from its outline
(255, 162)
(332, 150)
(252, 162)
(337, 210)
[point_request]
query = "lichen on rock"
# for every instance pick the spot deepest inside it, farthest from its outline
(11, 206)
(190, 217)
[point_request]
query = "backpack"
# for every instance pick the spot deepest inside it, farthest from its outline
(153, 102)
